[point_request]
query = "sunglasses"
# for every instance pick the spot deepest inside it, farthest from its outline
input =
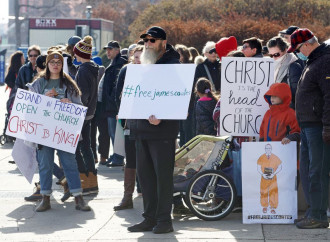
(298, 49)
(245, 46)
(33, 55)
(212, 51)
(274, 55)
(151, 40)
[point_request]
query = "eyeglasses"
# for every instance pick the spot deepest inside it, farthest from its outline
(33, 55)
(274, 55)
(245, 46)
(212, 51)
(151, 40)
(53, 63)
(298, 49)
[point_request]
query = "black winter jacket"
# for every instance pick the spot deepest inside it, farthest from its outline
(25, 75)
(10, 79)
(214, 69)
(313, 91)
(109, 85)
(204, 117)
(167, 129)
(86, 79)
(292, 78)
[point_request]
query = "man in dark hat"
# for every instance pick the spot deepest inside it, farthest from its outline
(313, 115)
(155, 146)
(286, 33)
(109, 96)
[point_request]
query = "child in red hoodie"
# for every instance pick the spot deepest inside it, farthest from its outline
(279, 122)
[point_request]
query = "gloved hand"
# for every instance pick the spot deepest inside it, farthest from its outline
(326, 134)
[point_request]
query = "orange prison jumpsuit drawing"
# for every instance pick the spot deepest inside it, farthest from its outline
(269, 164)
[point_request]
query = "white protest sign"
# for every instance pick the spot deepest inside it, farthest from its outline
(46, 121)
(244, 81)
(162, 90)
(269, 172)
(25, 158)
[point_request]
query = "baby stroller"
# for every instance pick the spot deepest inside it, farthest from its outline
(202, 178)
(5, 138)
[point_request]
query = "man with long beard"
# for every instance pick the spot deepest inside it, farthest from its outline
(155, 146)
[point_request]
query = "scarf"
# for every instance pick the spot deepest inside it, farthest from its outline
(282, 66)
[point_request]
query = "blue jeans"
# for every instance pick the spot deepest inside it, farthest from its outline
(57, 171)
(46, 165)
(314, 171)
(112, 122)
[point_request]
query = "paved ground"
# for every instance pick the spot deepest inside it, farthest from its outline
(19, 222)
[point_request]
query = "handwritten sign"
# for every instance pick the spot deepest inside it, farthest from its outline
(270, 195)
(161, 90)
(46, 121)
(244, 81)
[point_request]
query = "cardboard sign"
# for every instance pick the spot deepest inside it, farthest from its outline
(161, 90)
(244, 81)
(269, 173)
(25, 158)
(46, 121)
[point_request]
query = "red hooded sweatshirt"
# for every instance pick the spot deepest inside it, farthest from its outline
(280, 120)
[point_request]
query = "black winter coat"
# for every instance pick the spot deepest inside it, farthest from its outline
(10, 79)
(25, 75)
(167, 129)
(204, 117)
(313, 91)
(86, 79)
(109, 85)
(292, 78)
(215, 72)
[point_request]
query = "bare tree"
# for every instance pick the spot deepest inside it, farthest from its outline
(18, 22)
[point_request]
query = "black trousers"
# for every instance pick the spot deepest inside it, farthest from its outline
(100, 121)
(130, 151)
(155, 164)
(84, 153)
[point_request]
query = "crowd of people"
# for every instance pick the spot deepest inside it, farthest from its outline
(299, 104)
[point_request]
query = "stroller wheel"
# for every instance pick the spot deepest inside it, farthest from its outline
(3, 139)
(211, 195)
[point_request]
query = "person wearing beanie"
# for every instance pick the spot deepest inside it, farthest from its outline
(41, 63)
(54, 83)
(86, 79)
(225, 45)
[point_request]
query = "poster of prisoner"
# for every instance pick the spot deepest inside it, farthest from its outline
(269, 175)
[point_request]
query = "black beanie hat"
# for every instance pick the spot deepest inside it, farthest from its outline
(41, 61)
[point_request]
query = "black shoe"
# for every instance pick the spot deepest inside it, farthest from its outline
(115, 164)
(145, 225)
(163, 227)
(310, 223)
(297, 220)
(180, 209)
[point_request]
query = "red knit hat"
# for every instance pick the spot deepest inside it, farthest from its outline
(83, 48)
(225, 45)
